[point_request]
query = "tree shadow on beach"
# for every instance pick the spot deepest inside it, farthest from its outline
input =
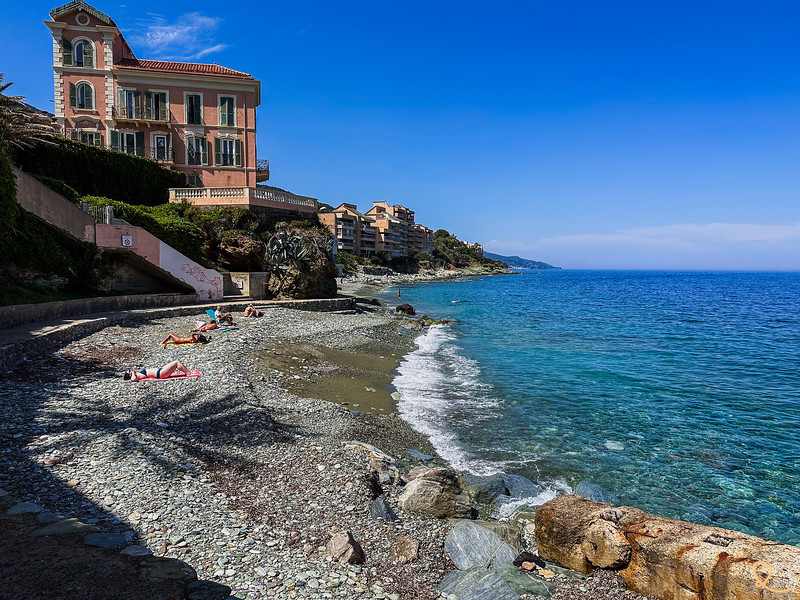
(49, 421)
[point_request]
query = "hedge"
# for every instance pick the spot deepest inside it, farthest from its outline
(95, 171)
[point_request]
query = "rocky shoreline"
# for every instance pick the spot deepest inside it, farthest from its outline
(232, 473)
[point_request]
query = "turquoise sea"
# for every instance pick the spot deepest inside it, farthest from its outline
(675, 392)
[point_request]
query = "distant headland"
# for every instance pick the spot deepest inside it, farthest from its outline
(515, 262)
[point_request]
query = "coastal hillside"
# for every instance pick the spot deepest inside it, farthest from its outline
(517, 262)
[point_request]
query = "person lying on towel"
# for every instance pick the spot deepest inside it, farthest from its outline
(195, 338)
(162, 373)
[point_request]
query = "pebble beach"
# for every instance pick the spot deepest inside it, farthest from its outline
(246, 472)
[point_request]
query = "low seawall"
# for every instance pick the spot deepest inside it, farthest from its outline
(19, 314)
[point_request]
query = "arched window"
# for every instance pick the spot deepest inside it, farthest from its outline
(81, 95)
(78, 53)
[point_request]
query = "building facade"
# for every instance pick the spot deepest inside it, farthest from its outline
(196, 118)
(384, 229)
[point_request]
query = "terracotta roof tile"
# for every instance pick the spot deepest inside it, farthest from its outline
(180, 67)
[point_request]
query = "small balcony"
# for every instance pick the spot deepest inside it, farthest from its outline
(160, 154)
(137, 113)
(262, 170)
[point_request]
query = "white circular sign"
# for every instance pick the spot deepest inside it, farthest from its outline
(82, 19)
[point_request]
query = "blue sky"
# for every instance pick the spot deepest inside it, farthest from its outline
(585, 134)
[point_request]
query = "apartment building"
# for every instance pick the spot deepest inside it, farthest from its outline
(354, 231)
(196, 118)
(384, 229)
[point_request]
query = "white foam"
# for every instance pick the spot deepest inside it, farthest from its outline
(441, 392)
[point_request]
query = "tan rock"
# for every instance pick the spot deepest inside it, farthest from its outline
(605, 546)
(344, 548)
(671, 560)
(436, 493)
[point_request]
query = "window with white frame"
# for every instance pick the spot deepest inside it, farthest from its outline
(155, 106)
(227, 111)
(91, 137)
(129, 104)
(81, 95)
(194, 109)
(162, 146)
(228, 152)
(196, 152)
(77, 53)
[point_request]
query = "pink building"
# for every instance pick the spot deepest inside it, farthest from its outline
(196, 118)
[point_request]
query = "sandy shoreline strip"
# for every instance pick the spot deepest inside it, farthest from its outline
(241, 473)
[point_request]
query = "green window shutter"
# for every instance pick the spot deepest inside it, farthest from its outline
(237, 153)
(88, 58)
(190, 149)
(66, 47)
(114, 139)
(73, 95)
(217, 152)
(148, 105)
(137, 105)
(231, 115)
(198, 110)
(98, 139)
(140, 143)
(75, 135)
(89, 96)
(203, 151)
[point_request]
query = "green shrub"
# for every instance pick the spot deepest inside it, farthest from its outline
(95, 171)
(163, 221)
(59, 187)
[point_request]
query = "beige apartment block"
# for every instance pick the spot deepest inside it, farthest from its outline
(355, 232)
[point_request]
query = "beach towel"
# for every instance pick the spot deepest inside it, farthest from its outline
(193, 374)
(185, 344)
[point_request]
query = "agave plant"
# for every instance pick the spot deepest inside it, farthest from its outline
(284, 250)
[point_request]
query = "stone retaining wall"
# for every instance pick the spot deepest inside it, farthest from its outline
(20, 314)
(668, 559)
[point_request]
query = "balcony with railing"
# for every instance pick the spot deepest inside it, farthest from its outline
(137, 113)
(259, 196)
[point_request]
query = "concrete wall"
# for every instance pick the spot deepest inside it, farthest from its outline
(39, 199)
(142, 243)
(128, 279)
(246, 284)
(207, 282)
(46, 311)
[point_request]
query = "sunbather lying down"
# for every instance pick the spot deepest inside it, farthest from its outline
(195, 338)
(201, 326)
(251, 311)
(166, 371)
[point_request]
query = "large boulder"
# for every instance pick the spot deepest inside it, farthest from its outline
(470, 545)
(239, 252)
(436, 493)
(668, 559)
(405, 309)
